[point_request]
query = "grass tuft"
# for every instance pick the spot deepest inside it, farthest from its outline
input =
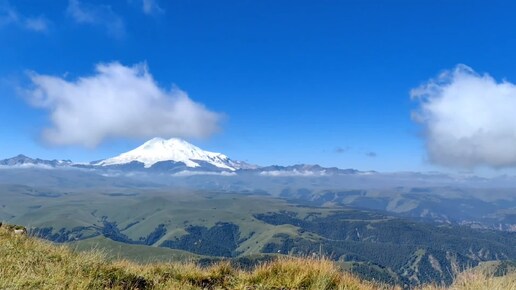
(474, 279)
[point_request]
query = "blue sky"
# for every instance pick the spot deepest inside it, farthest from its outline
(324, 82)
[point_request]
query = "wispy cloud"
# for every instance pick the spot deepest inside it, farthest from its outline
(7, 14)
(10, 16)
(469, 119)
(340, 150)
(186, 173)
(116, 102)
(151, 7)
(96, 15)
(287, 173)
(36, 24)
(371, 154)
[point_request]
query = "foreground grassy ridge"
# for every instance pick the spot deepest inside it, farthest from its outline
(29, 263)
(475, 280)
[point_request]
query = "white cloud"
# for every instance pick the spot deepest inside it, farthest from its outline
(151, 7)
(117, 102)
(469, 119)
(9, 16)
(96, 15)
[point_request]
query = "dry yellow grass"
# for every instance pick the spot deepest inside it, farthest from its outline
(30, 263)
(475, 280)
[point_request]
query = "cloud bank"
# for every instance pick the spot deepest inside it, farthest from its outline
(295, 172)
(116, 102)
(187, 173)
(469, 119)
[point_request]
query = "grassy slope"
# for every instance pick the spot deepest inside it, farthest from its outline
(29, 263)
(143, 254)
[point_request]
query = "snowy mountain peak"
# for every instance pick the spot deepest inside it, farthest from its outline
(174, 149)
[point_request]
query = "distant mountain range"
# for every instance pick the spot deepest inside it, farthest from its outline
(176, 156)
(24, 161)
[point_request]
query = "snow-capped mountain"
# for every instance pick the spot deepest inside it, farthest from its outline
(157, 151)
